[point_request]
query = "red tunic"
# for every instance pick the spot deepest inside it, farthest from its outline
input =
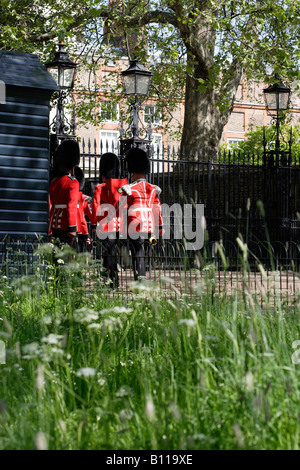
(96, 203)
(105, 205)
(64, 194)
(87, 206)
(144, 210)
(82, 227)
(50, 211)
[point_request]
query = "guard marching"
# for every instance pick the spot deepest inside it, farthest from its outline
(84, 241)
(64, 194)
(144, 219)
(107, 220)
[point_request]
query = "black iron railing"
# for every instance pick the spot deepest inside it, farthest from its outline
(241, 193)
(261, 271)
(251, 211)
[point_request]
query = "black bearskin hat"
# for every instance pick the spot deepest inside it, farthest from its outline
(109, 165)
(67, 155)
(79, 175)
(138, 161)
(55, 167)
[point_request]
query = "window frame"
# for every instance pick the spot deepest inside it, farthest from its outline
(153, 123)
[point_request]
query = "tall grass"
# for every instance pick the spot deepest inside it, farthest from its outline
(197, 371)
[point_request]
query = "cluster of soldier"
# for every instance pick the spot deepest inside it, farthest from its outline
(116, 207)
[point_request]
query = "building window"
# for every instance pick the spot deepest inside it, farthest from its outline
(154, 113)
(157, 163)
(232, 142)
(109, 111)
(109, 141)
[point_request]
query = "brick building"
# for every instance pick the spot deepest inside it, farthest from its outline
(249, 111)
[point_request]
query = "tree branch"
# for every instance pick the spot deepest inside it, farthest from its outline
(153, 16)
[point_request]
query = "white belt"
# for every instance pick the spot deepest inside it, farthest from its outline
(139, 209)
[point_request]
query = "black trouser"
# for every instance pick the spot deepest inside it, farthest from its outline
(139, 255)
(63, 236)
(110, 258)
(83, 246)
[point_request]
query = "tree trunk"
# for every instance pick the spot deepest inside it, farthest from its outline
(203, 120)
(202, 127)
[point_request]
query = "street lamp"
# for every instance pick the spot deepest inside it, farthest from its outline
(63, 71)
(136, 79)
(136, 83)
(277, 99)
(276, 168)
(62, 68)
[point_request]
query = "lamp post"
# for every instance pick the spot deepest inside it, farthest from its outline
(277, 99)
(63, 71)
(136, 84)
(276, 168)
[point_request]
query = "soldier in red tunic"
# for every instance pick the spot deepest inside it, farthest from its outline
(107, 218)
(64, 193)
(144, 211)
(84, 241)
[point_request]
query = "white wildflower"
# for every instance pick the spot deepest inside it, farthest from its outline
(199, 436)
(125, 415)
(56, 350)
(85, 315)
(95, 326)
(111, 323)
(52, 339)
(86, 372)
(143, 287)
(31, 350)
(101, 382)
(122, 310)
(60, 261)
(124, 391)
(117, 309)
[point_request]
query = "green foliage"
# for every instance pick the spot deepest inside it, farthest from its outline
(253, 144)
(194, 371)
(209, 41)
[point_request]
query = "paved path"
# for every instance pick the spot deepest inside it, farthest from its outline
(256, 285)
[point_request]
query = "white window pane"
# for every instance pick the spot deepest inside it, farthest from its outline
(109, 111)
(157, 165)
(153, 112)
